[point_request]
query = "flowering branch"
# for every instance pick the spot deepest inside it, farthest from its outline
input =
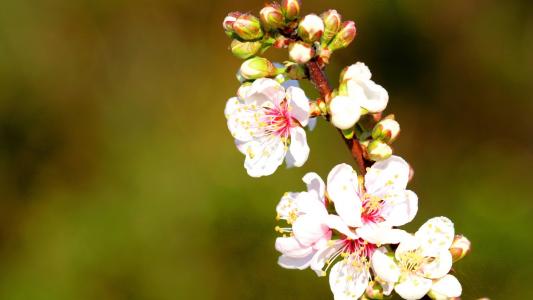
(349, 225)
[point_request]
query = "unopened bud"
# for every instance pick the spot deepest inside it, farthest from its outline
(460, 247)
(386, 130)
(311, 28)
(344, 37)
(248, 27)
(301, 52)
(374, 290)
(378, 150)
(244, 50)
(257, 67)
(345, 112)
(332, 24)
(291, 8)
(272, 17)
(227, 24)
(296, 71)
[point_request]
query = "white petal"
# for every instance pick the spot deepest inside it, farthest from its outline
(265, 90)
(376, 97)
(345, 111)
(312, 123)
(385, 267)
(308, 203)
(288, 206)
(335, 222)
(380, 234)
(436, 234)
(298, 149)
(298, 105)
(413, 287)
(323, 254)
(439, 267)
(384, 175)
(315, 184)
(231, 105)
(400, 207)
(308, 229)
(357, 71)
(289, 246)
(264, 157)
(295, 263)
(242, 120)
(342, 189)
(446, 287)
(347, 282)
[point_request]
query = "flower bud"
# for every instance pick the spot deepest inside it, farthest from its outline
(248, 27)
(311, 28)
(257, 67)
(386, 130)
(291, 8)
(460, 247)
(332, 24)
(344, 37)
(378, 150)
(296, 71)
(244, 50)
(272, 17)
(227, 24)
(374, 290)
(301, 52)
(345, 112)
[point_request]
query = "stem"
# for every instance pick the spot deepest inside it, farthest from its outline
(320, 81)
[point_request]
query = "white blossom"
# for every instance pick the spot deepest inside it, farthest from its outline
(267, 123)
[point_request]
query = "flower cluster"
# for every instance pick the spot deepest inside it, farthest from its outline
(348, 226)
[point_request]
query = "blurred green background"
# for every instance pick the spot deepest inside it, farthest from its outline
(119, 179)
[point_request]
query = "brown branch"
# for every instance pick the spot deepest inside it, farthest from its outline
(320, 81)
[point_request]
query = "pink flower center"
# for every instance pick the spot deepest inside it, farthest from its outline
(359, 246)
(278, 120)
(372, 207)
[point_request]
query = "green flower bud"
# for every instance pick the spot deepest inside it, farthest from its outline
(460, 247)
(291, 8)
(272, 17)
(227, 24)
(257, 67)
(244, 50)
(332, 24)
(374, 290)
(301, 52)
(248, 27)
(296, 71)
(344, 37)
(311, 28)
(386, 130)
(378, 150)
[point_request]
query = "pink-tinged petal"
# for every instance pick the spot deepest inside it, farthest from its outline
(385, 267)
(446, 287)
(308, 229)
(295, 263)
(315, 184)
(264, 157)
(380, 234)
(298, 105)
(289, 246)
(413, 287)
(347, 281)
(342, 189)
(385, 175)
(323, 255)
(376, 97)
(336, 223)
(298, 149)
(400, 207)
(307, 203)
(436, 234)
(439, 266)
(265, 90)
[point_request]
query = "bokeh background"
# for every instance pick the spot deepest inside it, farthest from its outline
(119, 179)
